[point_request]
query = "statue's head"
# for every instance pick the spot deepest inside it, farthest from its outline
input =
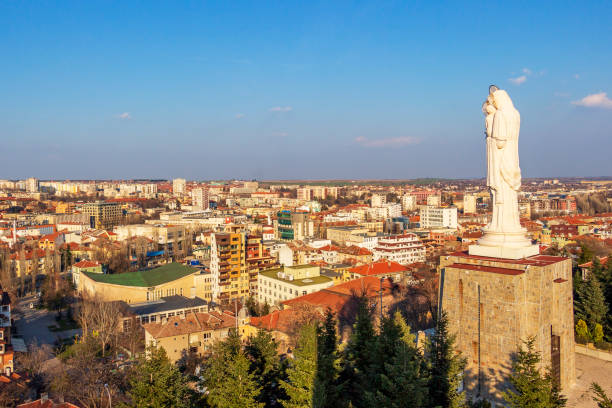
(502, 100)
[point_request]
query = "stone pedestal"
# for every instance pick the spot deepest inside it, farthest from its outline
(509, 245)
(494, 304)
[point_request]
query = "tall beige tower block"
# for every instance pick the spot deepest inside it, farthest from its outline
(494, 304)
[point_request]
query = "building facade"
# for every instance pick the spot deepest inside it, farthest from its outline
(102, 215)
(403, 249)
(438, 217)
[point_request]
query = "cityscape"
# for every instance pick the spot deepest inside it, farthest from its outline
(291, 221)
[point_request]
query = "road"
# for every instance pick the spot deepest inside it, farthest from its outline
(589, 369)
(32, 324)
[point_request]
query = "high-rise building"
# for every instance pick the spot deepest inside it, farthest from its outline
(378, 200)
(293, 225)
(199, 198)
(438, 217)
(409, 202)
(469, 204)
(102, 214)
(32, 185)
(304, 193)
(230, 277)
(179, 186)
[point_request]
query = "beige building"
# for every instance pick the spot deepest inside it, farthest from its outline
(102, 214)
(288, 282)
(169, 238)
(147, 285)
(495, 304)
(342, 235)
(192, 332)
(228, 266)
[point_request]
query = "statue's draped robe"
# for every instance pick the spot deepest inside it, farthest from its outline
(504, 173)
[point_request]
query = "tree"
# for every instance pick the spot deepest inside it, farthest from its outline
(602, 400)
(357, 358)
(589, 304)
(157, 383)
(99, 320)
(227, 378)
(445, 368)
(400, 381)
(265, 365)
(582, 332)
(529, 387)
(598, 333)
(327, 392)
(302, 371)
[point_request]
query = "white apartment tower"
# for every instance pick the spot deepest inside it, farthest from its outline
(179, 186)
(469, 204)
(199, 198)
(32, 185)
(378, 200)
(409, 202)
(438, 217)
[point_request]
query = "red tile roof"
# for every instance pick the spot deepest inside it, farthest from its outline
(86, 264)
(378, 268)
(336, 297)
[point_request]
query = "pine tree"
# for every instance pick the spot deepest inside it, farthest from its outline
(157, 383)
(529, 387)
(590, 305)
(261, 350)
(227, 378)
(358, 357)
(445, 368)
(400, 382)
(301, 374)
(327, 392)
(602, 400)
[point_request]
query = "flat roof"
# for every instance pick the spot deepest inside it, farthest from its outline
(492, 269)
(145, 278)
(273, 274)
(167, 303)
(535, 260)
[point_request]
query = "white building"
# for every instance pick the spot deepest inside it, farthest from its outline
(378, 200)
(304, 194)
(289, 282)
(32, 185)
(438, 217)
(403, 249)
(179, 186)
(434, 200)
(199, 199)
(469, 204)
(409, 202)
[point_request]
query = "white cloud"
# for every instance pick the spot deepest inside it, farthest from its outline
(526, 71)
(518, 80)
(281, 109)
(598, 100)
(576, 76)
(280, 134)
(391, 141)
(239, 115)
(124, 115)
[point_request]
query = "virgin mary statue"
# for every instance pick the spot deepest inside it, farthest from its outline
(502, 123)
(503, 236)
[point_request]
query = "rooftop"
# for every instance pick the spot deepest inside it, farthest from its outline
(315, 280)
(166, 304)
(145, 278)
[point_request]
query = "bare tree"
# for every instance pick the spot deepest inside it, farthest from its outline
(23, 266)
(99, 317)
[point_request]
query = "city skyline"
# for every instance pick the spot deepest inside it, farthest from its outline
(317, 91)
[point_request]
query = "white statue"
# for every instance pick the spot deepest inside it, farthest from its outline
(502, 124)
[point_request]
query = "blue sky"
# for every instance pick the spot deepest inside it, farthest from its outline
(275, 90)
